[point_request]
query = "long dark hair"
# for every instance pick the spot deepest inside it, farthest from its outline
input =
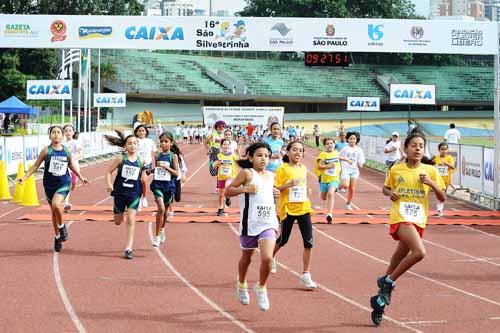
(286, 158)
(174, 148)
(250, 151)
(119, 141)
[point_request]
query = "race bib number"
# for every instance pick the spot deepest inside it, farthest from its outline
(161, 174)
(264, 213)
(58, 168)
(297, 194)
(412, 212)
(130, 172)
(332, 172)
(442, 170)
(226, 170)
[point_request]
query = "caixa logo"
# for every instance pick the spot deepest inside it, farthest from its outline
(110, 100)
(49, 89)
(31, 153)
(489, 171)
(154, 33)
(363, 103)
(413, 93)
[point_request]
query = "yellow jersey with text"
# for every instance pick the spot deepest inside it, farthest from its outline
(333, 174)
(227, 168)
(444, 170)
(294, 200)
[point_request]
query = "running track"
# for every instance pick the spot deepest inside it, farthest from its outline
(188, 285)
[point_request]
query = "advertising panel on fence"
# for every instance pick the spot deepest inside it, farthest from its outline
(109, 100)
(363, 103)
(2, 151)
(32, 148)
(48, 89)
(248, 34)
(413, 94)
(489, 179)
(471, 168)
(235, 115)
(13, 153)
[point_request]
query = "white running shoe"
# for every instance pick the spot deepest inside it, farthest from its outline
(144, 202)
(170, 214)
(343, 190)
(307, 281)
(156, 241)
(262, 299)
(274, 266)
(242, 293)
(348, 206)
(439, 213)
(163, 237)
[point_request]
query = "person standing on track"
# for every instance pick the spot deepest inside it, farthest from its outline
(146, 150)
(294, 205)
(226, 171)
(445, 165)
(408, 185)
(353, 159)
(258, 221)
(166, 164)
(76, 150)
(127, 187)
(57, 161)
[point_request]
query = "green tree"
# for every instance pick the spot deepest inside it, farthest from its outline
(13, 82)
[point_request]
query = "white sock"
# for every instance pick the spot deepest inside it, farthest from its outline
(440, 206)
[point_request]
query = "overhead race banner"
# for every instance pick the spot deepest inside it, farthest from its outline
(248, 34)
(110, 100)
(363, 103)
(413, 94)
(234, 115)
(48, 89)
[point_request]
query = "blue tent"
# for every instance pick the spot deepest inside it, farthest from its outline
(14, 105)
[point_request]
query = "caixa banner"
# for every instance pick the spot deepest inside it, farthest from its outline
(413, 94)
(363, 103)
(48, 89)
(110, 100)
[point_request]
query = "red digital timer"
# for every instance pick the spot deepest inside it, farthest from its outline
(335, 59)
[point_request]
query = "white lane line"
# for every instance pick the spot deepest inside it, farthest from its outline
(409, 272)
(480, 231)
(472, 260)
(495, 318)
(426, 322)
(342, 297)
(197, 291)
(60, 286)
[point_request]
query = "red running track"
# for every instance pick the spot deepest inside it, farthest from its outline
(188, 284)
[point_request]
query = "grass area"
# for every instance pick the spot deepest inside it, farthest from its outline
(52, 119)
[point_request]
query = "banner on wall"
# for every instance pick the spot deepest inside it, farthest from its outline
(2, 152)
(363, 103)
(248, 34)
(109, 100)
(413, 94)
(488, 170)
(48, 89)
(471, 168)
(13, 153)
(239, 116)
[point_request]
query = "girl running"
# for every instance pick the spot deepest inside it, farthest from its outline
(228, 135)
(294, 205)
(445, 165)
(328, 163)
(127, 187)
(76, 150)
(258, 221)
(408, 185)
(146, 150)
(352, 158)
(57, 160)
(276, 143)
(181, 178)
(226, 171)
(163, 185)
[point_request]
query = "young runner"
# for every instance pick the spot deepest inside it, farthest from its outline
(76, 150)
(353, 159)
(226, 171)
(445, 164)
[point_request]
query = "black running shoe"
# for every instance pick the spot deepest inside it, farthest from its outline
(228, 202)
(220, 212)
(378, 311)
(329, 219)
(385, 289)
(63, 231)
(58, 244)
(129, 254)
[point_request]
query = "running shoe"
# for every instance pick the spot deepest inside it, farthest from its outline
(242, 293)
(348, 206)
(163, 236)
(63, 231)
(262, 299)
(228, 202)
(129, 254)
(156, 241)
(274, 266)
(329, 219)
(220, 212)
(378, 310)
(58, 244)
(67, 207)
(385, 291)
(307, 281)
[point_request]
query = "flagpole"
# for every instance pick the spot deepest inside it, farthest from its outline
(89, 96)
(79, 90)
(62, 100)
(71, 78)
(85, 85)
(98, 86)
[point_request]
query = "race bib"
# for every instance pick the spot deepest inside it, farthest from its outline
(412, 212)
(442, 170)
(142, 155)
(226, 171)
(297, 194)
(163, 163)
(264, 213)
(161, 174)
(332, 172)
(58, 168)
(130, 172)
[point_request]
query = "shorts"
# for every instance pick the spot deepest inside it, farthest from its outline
(122, 202)
(393, 231)
(221, 184)
(324, 187)
(62, 190)
(252, 242)
(167, 196)
(349, 173)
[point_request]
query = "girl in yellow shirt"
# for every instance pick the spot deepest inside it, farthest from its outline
(445, 165)
(226, 171)
(294, 205)
(408, 185)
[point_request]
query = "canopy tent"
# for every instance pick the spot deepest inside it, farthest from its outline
(14, 105)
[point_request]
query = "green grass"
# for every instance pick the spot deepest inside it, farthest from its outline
(53, 119)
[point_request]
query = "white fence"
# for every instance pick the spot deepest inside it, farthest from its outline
(474, 164)
(26, 148)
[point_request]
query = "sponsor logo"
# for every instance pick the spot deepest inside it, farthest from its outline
(488, 171)
(283, 30)
(329, 38)
(154, 33)
(1, 152)
(417, 33)
(222, 35)
(94, 32)
(31, 153)
(466, 37)
(471, 169)
(413, 93)
(58, 29)
(364, 103)
(401, 180)
(110, 100)
(375, 34)
(19, 30)
(49, 89)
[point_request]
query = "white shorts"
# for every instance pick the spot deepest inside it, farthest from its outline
(349, 173)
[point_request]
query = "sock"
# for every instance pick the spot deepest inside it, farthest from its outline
(440, 206)
(61, 226)
(128, 249)
(58, 236)
(389, 280)
(380, 302)
(242, 285)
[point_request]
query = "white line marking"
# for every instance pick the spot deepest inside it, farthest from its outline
(424, 322)
(409, 272)
(342, 297)
(481, 232)
(495, 318)
(196, 290)
(472, 260)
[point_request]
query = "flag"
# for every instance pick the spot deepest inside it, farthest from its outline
(85, 65)
(72, 56)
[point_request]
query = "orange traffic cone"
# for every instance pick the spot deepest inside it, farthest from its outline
(19, 191)
(30, 197)
(4, 183)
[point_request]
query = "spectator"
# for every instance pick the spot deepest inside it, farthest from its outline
(250, 128)
(6, 122)
(392, 149)
(452, 135)
(316, 134)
